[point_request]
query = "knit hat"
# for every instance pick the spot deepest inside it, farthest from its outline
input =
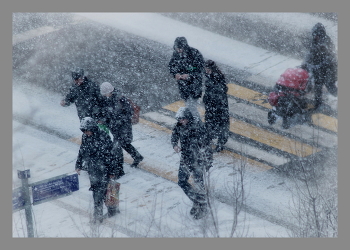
(88, 124)
(106, 88)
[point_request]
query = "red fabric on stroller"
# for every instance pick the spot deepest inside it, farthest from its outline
(292, 81)
(295, 78)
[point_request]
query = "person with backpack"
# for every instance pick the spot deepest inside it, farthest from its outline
(217, 118)
(97, 156)
(116, 113)
(84, 94)
(196, 158)
(186, 66)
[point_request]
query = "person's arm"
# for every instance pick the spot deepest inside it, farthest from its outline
(175, 136)
(79, 162)
(70, 97)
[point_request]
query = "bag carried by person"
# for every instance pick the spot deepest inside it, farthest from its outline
(112, 194)
(136, 116)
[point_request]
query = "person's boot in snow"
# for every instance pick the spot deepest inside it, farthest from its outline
(219, 148)
(194, 208)
(201, 211)
(136, 162)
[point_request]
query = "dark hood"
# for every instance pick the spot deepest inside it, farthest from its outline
(319, 31)
(88, 124)
(184, 113)
(181, 43)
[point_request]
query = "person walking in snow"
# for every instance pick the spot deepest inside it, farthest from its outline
(97, 157)
(85, 94)
(186, 66)
(116, 113)
(322, 62)
(217, 118)
(196, 158)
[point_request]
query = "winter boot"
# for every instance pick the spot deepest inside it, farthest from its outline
(194, 208)
(201, 211)
(136, 162)
(120, 174)
(285, 123)
(271, 117)
(219, 148)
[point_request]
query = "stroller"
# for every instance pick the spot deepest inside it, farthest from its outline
(288, 98)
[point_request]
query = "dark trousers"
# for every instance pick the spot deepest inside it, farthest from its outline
(220, 131)
(98, 193)
(131, 150)
(328, 79)
(196, 195)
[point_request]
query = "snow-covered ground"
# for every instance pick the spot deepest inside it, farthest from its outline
(151, 206)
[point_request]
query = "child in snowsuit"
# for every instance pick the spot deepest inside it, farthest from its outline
(196, 157)
(96, 156)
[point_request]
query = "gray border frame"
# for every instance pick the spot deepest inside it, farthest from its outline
(8, 8)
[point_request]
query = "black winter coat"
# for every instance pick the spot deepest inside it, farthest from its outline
(215, 100)
(117, 113)
(191, 62)
(96, 155)
(322, 59)
(86, 97)
(194, 140)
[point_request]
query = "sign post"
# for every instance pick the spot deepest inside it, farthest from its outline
(42, 191)
(24, 175)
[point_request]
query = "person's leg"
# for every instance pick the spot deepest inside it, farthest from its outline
(134, 154)
(98, 196)
(318, 94)
(201, 194)
(118, 152)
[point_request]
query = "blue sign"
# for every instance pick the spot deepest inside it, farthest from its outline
(17, 199)
(54, 188)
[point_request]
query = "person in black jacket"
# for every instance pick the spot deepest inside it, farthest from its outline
(196, 157)
(215, 101)
(85, 94)
(97, 156)
(321, 61)
(186, 66)
(116, 113)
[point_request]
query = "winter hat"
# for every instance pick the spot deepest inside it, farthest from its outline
(106, 88)
(77, 73)
(180, 42)
(184, 113)
(88, 124)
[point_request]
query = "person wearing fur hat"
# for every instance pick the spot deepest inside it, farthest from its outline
(116, 114)
(96, 156)
(322, 63)
(196, 158)
(217, 118)
(84, 94)
(186, 66)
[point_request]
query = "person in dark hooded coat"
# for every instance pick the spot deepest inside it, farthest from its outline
(85, 94)
(97, 157)
(186, 66)
(196, 157)
(116, 113)
(215, 101)
(321, 61)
